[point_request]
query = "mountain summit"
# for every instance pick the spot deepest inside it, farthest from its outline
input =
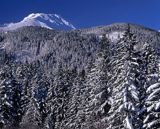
(50, 21)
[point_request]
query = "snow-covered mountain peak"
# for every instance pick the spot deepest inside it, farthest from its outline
(32, 16)
(36, 16)
(50, 21)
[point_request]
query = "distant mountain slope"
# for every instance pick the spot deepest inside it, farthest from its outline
(27, 38)
(50, 21)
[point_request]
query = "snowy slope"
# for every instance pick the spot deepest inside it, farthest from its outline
(50, 21)
(80, 76)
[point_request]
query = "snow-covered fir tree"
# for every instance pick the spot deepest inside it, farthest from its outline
(6, 98)
(40, 95)
(31, 117)
(152, 104)
(59, 98)
(74, 101)
(125, 91)
(97, 97)
(13, 100)
(76, 108)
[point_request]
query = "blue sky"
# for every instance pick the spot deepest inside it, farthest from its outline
(86, 13)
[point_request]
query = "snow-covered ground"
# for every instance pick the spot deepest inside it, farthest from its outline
(114, 36)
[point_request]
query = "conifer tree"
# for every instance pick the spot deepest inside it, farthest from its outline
(152, 104)
(96, 99)
(125, 93)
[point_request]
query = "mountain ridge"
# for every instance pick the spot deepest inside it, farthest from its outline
(50, 21)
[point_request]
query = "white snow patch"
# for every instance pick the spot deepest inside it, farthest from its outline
(152, 95)
(152, 87)
(157, 106)
(115, 36)
(129, 123)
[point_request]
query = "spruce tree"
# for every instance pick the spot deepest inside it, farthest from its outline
(125, 92)
(152, 104)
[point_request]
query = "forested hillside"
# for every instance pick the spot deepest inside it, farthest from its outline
(105, 77)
